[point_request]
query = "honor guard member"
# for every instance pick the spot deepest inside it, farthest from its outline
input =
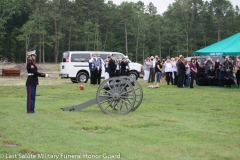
(32, 81)
(93, 69)
(99, 68)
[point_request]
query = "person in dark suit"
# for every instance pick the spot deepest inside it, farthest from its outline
(99, 63)
(238, 76)
(181, 70)
(111, 67)
(151, 78)
(238, 69)
(124, 65)
(223, 78)
(32, 81)
(226, 63)
(93, 69)
(211, 76)
(232, 79)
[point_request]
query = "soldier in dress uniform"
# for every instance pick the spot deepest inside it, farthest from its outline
(32, 81)
(93, 69)
(99, 68)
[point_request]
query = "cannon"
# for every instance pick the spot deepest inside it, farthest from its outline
(116, 95)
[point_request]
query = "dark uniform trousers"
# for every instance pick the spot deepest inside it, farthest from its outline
(99, 73)
(94, 76)
(31, 97)
(180, 80)
(238, 76)
(31, 85)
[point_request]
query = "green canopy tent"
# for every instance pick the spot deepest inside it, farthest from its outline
(227, 47)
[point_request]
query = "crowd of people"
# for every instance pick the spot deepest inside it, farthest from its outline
(175, 71)
(178, 71)
(114, 66)
(220, 74)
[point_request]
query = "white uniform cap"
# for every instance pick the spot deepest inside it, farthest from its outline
(32, 53)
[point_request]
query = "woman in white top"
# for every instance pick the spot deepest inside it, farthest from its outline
(174, 70)
(147, 66)
(168, 70)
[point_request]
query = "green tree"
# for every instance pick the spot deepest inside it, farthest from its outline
(27, 35)
(220, 9)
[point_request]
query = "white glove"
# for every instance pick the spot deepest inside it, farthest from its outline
(46, 75)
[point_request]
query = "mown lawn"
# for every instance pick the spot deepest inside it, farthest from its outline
(171, 123)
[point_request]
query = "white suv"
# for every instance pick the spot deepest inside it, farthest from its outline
(75, 65)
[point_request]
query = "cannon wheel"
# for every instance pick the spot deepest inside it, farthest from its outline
(118, 94)
(138, 91)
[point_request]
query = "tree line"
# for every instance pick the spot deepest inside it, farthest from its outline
(134, 29)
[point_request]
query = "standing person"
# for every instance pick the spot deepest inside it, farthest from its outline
(111, 67)
(151, 78)
(123, 66)
(238, 69)
(99, 68)
(193, 71)
(208, 62)
(93, 69)
(106, 61)
(217, 67)
(181, 71)
(233, 63)
(147, 65)
(174, 70)
(211, 76)
(198, 63)
(238, 76)
(176, 76)
(158, 70)
(168, 70)
(222, 77)
(117, 62)
(128, 66)
(226, 63)
(163, 69)
(187, 75)
(32, 81)
(238, 62)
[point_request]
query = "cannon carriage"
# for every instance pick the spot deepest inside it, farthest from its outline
(116, 95)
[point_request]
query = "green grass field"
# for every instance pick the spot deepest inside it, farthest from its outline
(171, 123)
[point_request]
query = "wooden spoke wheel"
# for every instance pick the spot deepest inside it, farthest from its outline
(116, 95)
(138, 91)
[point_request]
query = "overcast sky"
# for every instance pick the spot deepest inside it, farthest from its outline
(162, 5)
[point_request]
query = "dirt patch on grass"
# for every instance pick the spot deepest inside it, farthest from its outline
(10, 144)
(28, 152)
